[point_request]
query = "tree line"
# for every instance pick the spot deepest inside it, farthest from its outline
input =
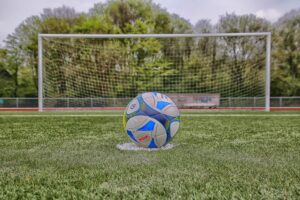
(18, 60)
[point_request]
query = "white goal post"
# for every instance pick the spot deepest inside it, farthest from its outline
(219, 53)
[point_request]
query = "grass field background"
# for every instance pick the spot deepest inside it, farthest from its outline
(219, 155)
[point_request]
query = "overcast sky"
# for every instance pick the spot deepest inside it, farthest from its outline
(13, 12)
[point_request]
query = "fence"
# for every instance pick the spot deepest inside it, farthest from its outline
(122, 102)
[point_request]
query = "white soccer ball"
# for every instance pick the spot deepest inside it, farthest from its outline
(151, 120)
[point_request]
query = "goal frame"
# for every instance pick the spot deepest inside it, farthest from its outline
(267, 62)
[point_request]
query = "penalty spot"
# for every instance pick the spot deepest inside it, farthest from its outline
(134, 147)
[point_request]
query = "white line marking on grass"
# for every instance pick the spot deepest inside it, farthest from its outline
(183, 115)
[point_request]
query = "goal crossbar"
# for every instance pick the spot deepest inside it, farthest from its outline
(153, 35)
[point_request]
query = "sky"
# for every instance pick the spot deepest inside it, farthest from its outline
(13, 12)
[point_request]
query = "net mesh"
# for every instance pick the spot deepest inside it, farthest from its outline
(108, 72)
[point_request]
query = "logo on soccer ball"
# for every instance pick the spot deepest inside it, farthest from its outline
(132, 106)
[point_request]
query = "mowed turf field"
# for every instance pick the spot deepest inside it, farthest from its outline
(73, 155)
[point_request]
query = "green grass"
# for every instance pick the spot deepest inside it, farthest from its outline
(56, 156)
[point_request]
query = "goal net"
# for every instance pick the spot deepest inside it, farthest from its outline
(223, 71)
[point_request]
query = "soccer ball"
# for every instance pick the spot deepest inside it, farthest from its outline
(151, 120)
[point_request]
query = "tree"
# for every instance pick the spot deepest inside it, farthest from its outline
(63, 12)
(6, 80)
(240, 51)
(291, 15)
(203, 26)
(207, 45)
(14, 61)
(18, 64)
(286, 65)
(22, 45)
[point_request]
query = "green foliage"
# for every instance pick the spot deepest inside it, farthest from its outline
(27, 86)
(163, 23)
(19, 70)
(6, 82)
(94, 24)
(232, 23)
(286, 65)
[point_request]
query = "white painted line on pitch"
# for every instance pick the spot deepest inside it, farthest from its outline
(183, 115)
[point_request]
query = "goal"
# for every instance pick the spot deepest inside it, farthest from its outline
(104, 71)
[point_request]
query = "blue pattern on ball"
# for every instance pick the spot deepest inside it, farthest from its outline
(152, 144)
(147, 127)
(131, 135)
(162, 104)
